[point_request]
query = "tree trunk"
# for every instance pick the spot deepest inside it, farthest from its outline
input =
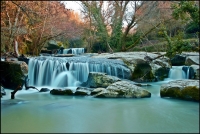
(16, 52)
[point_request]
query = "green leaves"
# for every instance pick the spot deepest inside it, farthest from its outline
(185, 11)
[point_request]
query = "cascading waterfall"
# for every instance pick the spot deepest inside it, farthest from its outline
(181, 72)
(71, 71)
(75, 51)
(176, 72)
(189, 71)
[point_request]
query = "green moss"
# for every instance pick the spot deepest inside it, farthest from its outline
(172, 92)
(190, 92)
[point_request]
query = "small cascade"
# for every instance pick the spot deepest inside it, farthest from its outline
(181, 72)
(189, 71)
(71, 71)
(75, 51)
(176, 72)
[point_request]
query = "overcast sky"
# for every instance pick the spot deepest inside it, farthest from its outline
(72, 5)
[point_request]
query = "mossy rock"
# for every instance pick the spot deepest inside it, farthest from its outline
(187, 92)
(143, 71)
(13, 73)
(190, 93)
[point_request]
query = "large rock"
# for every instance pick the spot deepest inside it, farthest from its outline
(181, 89)
(141, 69)
(192, 60)
(178, 60)
(123, 89)
(196, 71)
(96, 79)
(13, 73)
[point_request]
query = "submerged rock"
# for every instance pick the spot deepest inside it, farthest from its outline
(181, 89)
(61, 92)
(123, 89)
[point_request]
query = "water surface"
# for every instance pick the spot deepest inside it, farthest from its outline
(43, 112)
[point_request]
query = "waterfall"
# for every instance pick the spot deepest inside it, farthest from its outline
(176, 72)
(189, 71)
(181, 72)
(75, 51)
(71, 71)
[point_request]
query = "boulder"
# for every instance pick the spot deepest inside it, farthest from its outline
(61, 92)
(96, 79)
(143, 69)
(192, 60)
(178, 60)
(181, 89)
(123, 89)
(196, 71)
(44, 89)
(13, 73)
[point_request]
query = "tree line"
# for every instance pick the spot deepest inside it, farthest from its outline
(106, 26)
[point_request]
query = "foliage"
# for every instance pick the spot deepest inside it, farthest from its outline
(192, 27)
(186, 10)
(33, 23)
(108, 24)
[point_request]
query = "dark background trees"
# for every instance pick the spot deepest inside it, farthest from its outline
(106, 26)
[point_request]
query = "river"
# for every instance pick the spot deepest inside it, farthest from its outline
(38, 112)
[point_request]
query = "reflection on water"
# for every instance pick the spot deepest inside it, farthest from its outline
(44, 112)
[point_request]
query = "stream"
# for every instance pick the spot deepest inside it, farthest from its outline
(38, 112)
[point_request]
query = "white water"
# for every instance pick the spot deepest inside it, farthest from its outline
(45, 70)
(176, 72)
(75, 51)
(64, 79)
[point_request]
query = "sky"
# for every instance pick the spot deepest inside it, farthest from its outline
(76, 6)
(73, 5)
